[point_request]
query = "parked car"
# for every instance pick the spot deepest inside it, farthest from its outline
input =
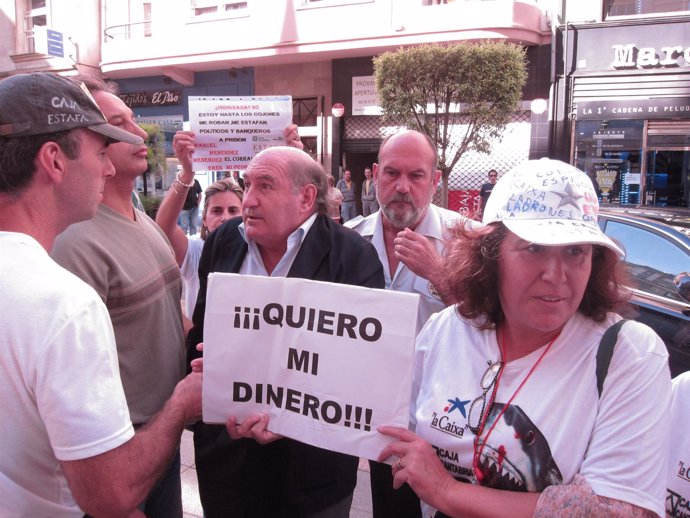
(657, 245)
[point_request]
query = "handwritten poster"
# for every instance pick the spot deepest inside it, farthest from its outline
(328, 363)
(231, 130)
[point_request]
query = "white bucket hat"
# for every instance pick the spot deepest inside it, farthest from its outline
(548, 202)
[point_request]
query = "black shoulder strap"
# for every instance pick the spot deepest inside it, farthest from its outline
(605, 352)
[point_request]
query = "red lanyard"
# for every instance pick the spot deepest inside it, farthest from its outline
(477, 453)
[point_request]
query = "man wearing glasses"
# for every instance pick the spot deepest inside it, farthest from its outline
(485, 191)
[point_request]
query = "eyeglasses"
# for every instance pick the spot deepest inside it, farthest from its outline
(489, 381)
(476, 417)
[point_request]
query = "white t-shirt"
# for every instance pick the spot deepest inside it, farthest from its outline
(190, 274)
(61, 392)
(678, 491)
(557, 426)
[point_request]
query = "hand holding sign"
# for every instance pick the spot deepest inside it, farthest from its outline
(253, 427)
(183, 144)
(291, 136)
(418, 464)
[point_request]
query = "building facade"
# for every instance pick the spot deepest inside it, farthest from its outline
(625, 119)
(320, 52)
(50, 35)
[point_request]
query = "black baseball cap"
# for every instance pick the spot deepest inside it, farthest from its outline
(42, 103)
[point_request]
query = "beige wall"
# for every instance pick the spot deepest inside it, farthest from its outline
(298, 80)
(278, 32)
(311, 79)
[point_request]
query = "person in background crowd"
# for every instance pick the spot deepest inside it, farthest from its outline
(348, 208)
(238, 179)
(335, 200)
(67, 445)
(409, 236)
(127, 259)
(284, 232)
(485, 191)
(543, 424)
(369, 203)
(189, 213)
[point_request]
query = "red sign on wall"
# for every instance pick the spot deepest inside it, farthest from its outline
(464, 201)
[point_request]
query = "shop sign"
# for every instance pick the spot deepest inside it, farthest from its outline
(665, 108)
(655, 47)
(630, 56)
(154, 98)
(364, 96)
(169, 123)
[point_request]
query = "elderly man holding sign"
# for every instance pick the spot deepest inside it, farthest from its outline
(284, 232)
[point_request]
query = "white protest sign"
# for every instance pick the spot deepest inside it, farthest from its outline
(329, 363)
(231, 130)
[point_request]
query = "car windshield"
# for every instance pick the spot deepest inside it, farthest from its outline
(653, 261)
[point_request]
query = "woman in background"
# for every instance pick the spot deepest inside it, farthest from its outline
(222, 201)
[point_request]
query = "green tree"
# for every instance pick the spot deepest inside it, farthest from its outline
(461, 95)
(155, 156)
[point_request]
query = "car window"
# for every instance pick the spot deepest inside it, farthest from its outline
(653, 260)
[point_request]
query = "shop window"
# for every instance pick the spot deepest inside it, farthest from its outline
(666, 179)
(610, 153)
(614, 8)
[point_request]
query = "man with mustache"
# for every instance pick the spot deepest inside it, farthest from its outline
(127, 259)
(408, 234)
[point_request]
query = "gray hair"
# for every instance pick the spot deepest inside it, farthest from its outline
(303, 171)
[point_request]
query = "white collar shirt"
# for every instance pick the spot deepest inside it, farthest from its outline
(433, 226)
(253, 264)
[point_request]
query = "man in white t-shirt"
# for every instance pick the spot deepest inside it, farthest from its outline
(67, 445)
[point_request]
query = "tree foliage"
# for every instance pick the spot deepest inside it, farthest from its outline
(155, 144)
(461, 95)
(155, 152)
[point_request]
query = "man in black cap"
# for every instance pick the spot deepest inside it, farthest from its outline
(67, 443)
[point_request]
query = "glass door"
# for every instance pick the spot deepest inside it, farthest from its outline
(668, 177)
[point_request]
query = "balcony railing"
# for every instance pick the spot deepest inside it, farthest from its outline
(128, 31)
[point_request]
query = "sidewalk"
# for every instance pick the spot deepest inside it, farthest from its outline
(361, 503)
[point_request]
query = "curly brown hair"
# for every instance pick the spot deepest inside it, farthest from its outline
(470, 272)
